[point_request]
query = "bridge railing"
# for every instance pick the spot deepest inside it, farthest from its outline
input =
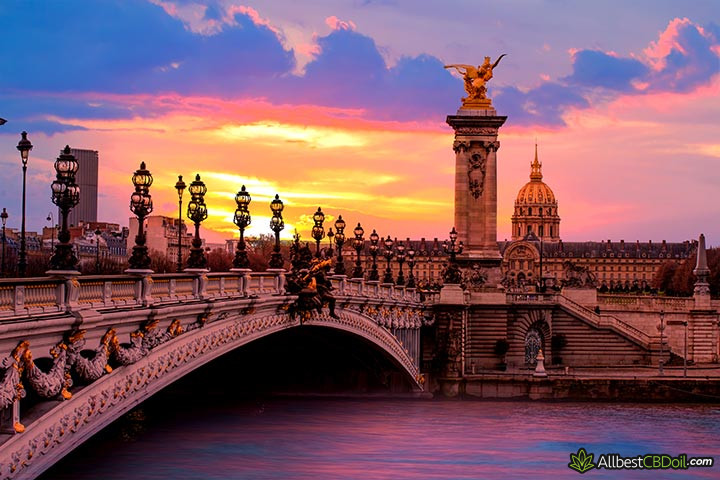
(30, 296)
(646, 303)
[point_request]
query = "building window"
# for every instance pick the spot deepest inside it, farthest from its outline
(529, 229)
(541, 229)
(529, 210)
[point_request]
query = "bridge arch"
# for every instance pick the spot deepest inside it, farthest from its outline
(67, 425)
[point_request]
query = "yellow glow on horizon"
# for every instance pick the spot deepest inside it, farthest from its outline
(319, 137)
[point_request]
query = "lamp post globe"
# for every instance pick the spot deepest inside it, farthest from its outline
(359, 245)
(276, 225)
(141, 206)
(65, 194)
(24, 146)
(197, 212)
(340, 241)
(242, 220)
(388, 278)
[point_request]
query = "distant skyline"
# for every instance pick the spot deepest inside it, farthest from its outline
(342, 104)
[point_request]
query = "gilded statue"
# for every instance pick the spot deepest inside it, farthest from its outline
(475, 80)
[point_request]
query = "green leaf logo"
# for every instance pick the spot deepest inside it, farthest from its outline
(581, 462)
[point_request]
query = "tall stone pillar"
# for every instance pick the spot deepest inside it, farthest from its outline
(475, 146)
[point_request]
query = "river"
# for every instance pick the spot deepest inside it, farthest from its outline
(174, 437)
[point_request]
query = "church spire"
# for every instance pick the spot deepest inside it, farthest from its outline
(536, 167)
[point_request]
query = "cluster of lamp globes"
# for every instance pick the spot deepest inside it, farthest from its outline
(66, 195)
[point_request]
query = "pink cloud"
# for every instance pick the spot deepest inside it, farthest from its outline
(336, 24)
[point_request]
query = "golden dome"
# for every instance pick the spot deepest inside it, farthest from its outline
(535, 191)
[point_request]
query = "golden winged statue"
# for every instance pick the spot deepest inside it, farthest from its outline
(475, 80)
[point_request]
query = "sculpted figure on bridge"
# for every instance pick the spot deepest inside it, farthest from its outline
(475, 80)
(56, 381)
(89, 365)
(313, 288)
(128, 353)
(577, 276)
(11, 390)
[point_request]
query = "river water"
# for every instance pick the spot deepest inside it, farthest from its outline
(355, 438)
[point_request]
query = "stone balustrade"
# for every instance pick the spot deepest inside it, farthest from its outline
(32, 296)
(646, 303)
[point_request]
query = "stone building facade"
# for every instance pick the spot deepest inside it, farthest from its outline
(536, 242)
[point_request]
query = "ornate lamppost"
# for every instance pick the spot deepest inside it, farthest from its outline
(24, 146)
(452, 274)
(400, 259)
(141, 205)
(65, 194)
(180, 187)
(388, 278)
(197, 212)
(374, 240)
(453, 248)
(50, 218)
(277, 224)
(339, 241)
(242, 220)
(97, 251)
(318, 232)
(4, 217)
(358, 244)
(330, 236)
(411, 264)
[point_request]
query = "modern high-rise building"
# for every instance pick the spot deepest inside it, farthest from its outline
(87, 180)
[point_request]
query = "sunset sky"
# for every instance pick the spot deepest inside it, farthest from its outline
(342, 104)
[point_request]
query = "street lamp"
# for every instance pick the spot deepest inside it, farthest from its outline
(374, 239)
(340, 241)
(4, 217)
(330, 236)
(50, 218)
(400, 259)
(197, 212)
(141, 205)
(661, 329)
(388, 278)
(276, 225)
(411, 264)
(24, 146)
(453, 248)
(358, 244)
(242, 220)
(65, 194)
(97, 251)
(318, 232)
(180, 187)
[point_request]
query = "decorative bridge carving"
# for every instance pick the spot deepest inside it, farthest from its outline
(154, 333)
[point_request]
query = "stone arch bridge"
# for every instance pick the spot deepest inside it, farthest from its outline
(87, 349)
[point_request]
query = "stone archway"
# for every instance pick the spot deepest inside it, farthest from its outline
(51, 436)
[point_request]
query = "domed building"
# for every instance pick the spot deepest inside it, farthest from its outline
(536, 247)
(536, 209)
